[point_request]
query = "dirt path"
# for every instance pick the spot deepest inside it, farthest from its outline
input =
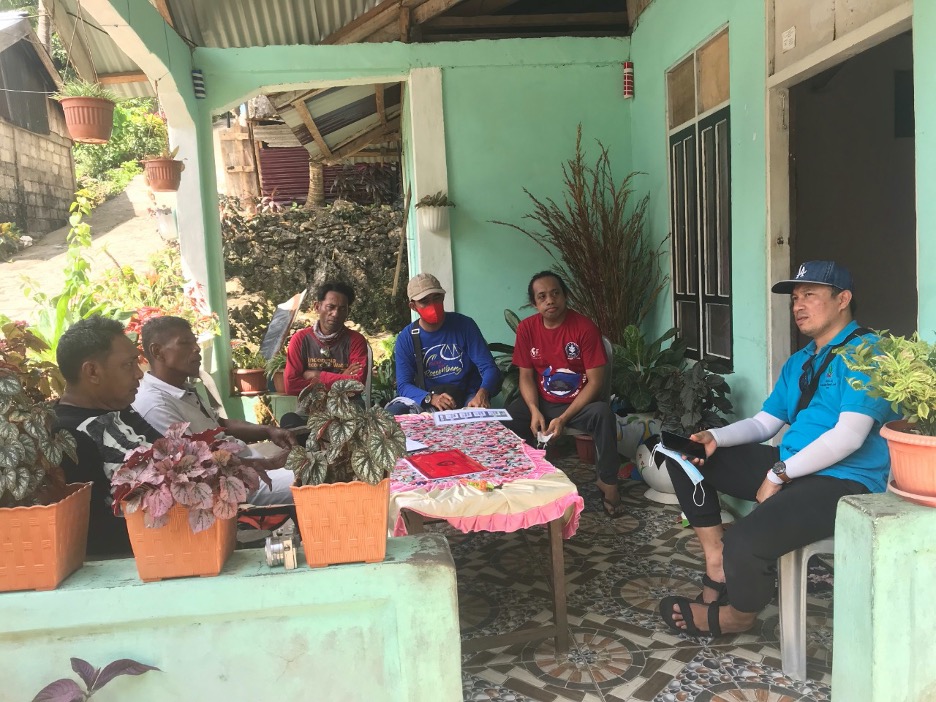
(121, 224)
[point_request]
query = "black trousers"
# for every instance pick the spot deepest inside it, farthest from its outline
(801, 513)
(595, 419)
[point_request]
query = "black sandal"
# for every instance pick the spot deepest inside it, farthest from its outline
(684, 605)
(720, 588)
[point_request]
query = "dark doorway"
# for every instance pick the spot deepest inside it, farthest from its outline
(852, 182)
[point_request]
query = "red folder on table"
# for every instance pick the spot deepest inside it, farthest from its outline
(444, 464)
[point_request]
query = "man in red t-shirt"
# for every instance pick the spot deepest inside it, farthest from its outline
(562, 365)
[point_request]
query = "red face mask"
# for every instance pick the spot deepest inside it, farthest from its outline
(432, 313)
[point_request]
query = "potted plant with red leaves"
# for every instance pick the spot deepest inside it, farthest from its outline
(43, 521)
(180, 498)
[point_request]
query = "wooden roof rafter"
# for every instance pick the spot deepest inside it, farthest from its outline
(376, 135)
(307, 120)
(390, 20)
(379, 98)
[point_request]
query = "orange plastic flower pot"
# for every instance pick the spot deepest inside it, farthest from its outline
(913, 459)
(163, 175)
(89, 120)
(40, 546)
(343, 522)
(250, 381)
(173, 551)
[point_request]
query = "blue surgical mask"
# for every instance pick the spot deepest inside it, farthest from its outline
(688, 468)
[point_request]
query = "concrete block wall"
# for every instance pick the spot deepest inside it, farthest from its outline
(37, 179)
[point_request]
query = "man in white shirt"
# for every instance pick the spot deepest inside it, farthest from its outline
(166, 397)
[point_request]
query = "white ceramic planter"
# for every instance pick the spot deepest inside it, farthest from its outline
(433, 219)
(657, 477)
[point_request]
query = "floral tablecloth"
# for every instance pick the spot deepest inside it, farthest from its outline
(518, 489)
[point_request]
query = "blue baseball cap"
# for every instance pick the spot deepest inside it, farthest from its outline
(821, 272)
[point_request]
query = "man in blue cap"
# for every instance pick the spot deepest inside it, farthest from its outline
(831, 449)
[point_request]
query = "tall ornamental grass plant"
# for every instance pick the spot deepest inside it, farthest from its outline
(598, 238)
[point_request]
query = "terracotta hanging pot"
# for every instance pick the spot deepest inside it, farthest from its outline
(343, 522)
(163, 175)
(89, 120)
(42, 545)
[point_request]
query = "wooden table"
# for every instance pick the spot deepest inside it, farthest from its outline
(518, 489)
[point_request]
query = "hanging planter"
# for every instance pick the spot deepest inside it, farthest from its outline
(164, 172)
(432, 212)
(89, 111)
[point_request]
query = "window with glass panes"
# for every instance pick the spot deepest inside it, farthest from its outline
(700, 199)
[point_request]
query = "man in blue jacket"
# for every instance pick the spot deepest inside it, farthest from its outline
(454, 369)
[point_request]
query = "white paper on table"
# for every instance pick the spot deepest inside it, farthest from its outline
(413, 445)
(261, 449)
(465, 416)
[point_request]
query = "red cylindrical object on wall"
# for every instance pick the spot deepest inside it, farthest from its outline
(628, 79)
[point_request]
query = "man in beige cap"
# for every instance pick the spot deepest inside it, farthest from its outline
(442, 360)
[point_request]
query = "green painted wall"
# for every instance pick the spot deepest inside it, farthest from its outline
(510, 130)
(666, 32)
(380, 632)
(511, 108)
(924, 58)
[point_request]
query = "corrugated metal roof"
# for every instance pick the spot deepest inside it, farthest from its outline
(93, 52)
(240, 23)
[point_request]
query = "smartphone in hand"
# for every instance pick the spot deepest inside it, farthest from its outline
(682, 444)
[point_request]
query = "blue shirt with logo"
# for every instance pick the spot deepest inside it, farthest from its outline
(456, 353)
(868, 465)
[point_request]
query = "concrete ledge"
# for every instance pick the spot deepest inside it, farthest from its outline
(885, 587)
(385, 631)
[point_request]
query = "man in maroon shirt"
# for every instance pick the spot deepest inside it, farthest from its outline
(327, 351)
(562, 365)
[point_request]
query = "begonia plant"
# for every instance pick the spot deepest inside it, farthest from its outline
(201, 472)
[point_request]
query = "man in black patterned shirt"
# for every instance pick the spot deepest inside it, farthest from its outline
(102, 374)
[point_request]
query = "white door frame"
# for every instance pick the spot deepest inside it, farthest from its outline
(890, 24)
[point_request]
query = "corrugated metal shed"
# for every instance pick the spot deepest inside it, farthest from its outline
(284, 174)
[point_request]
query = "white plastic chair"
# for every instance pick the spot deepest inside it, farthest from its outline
(606, 387)
(792, 576)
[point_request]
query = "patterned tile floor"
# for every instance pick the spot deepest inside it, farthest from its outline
(617, 571)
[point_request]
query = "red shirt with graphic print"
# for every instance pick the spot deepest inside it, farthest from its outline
(559, 357)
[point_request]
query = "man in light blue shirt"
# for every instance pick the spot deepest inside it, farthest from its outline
(831, 449)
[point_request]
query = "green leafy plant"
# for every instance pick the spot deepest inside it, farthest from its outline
(67, 690)
(902, 371)
(598, 238)
(80, 298)
(201, 472)
(82, 88)
(137, 131)
(503, 359)
(10, 239)
(439, 199)
(367, 183)
(694, 398)
(242, 356)
(166, 152)
(383, 384)
(639, 367)
(346, 442)
(275, 364)
(30, 451)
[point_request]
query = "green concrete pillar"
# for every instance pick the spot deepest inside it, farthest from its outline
(885, 587)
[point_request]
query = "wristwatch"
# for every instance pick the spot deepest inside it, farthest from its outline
(779, 469)
(427, 401)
